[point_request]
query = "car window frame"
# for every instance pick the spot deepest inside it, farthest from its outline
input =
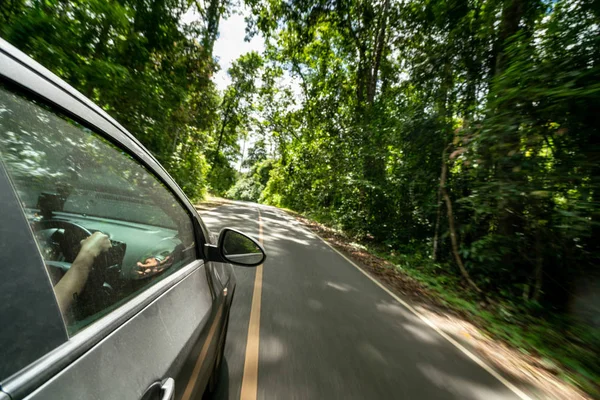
(22, 75)
(25, 278)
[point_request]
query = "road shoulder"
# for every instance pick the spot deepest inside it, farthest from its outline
(527, 372)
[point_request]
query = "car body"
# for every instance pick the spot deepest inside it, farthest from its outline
(150, 320)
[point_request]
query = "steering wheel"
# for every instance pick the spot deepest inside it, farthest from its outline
(94, 294)
(70, 243)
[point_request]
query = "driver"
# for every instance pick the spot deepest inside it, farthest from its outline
(72, 283)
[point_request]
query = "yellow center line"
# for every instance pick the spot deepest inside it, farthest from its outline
(250, 379)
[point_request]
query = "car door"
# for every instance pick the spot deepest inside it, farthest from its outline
(149, 326)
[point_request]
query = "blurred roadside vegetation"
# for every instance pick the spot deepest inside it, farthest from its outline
(459, 139)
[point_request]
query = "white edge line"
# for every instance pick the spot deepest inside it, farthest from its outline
(423, 318)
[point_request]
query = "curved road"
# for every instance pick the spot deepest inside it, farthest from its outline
(326, 331)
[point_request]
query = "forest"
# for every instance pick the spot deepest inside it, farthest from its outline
(458, 139)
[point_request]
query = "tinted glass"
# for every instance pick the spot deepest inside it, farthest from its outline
(106, 227)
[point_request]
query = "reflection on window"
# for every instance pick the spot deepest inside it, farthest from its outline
(106, 227)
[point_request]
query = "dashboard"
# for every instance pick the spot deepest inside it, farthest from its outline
(138, 253)
(132, 241)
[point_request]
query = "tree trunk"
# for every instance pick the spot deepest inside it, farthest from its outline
(380, 45)
(439, 207)
(437, 226)
(511, 208)
(512, 12)
(362, 78)
(175, 141)
(442, 108)
(242, 157)
(213, 15)
(221, 133)
(451, 227)
(539, 265)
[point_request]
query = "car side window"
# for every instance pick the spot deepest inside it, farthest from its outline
(106, 227)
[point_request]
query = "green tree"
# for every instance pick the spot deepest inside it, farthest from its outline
(465, 131)
(235, 114)
(139, 61)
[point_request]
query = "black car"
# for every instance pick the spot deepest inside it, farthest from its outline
(112, 287)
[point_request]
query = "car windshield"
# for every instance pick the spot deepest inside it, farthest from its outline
(48, 157)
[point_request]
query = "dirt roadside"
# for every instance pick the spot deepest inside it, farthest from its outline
(210, 203)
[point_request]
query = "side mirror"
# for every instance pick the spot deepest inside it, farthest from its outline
(236, 248)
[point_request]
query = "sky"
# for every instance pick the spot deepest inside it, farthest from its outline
(230, 45)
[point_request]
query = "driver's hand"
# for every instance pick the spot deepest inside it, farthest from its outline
(95, 244)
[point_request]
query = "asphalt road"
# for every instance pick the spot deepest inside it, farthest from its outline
(328, 332)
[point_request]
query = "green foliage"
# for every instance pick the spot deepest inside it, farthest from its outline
(140, 62)
(503, 94)
(246, 189)
(189, 168)
(414, 115)
(251, 185)
(222, 176)
(235, 121)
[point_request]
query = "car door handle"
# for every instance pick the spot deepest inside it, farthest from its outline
(164, 390)
(168, 389)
